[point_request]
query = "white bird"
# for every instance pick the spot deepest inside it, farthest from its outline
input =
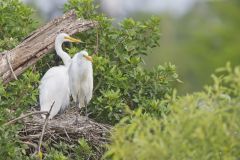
(81, 78)
(54, 86)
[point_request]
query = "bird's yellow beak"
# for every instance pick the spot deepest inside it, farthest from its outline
(88, 58)
(71, 39)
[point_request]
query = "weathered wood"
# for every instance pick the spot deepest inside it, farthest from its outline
(39, 43)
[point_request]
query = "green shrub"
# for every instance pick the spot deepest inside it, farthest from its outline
(16, 19)
(10, 147)
(15, 23)
(55, 155)
(63, 151)
(119, 78)
(203, 125)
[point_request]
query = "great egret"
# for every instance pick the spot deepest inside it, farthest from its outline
(81, 78)
(54, 86)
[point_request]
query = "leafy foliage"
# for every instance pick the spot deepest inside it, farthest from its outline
(26, 87)
(203, 125)
(15, 23)
(64, 151)
(229, 81)
(83, 150)
(120, 81)
(9, 145)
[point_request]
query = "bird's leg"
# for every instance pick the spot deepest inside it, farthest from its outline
(85, 105)
(76, 120)
(86, 113)
(77, 113)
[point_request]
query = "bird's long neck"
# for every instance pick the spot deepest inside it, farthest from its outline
(63, 55)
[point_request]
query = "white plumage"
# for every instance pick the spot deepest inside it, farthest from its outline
(81, 78)
(54, 86)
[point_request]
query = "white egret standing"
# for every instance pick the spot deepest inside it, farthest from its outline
(54, 86)
(81, 78)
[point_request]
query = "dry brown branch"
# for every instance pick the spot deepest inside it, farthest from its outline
(38, 43)
(24, 116)
(33, 145)
(43, 130)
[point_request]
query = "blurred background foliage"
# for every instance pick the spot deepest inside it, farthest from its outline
(205, 38)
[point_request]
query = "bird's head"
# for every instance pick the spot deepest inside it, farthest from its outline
(63, 37)
(84, 55)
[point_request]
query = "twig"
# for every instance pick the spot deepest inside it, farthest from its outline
(67, 134)
(98, 85)
(28, 137)
(101, 126)
(8, 60)
(30, 144)
(29, 114)
(97, 43)
(43, 130)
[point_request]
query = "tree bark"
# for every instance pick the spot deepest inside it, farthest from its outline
(39, 43)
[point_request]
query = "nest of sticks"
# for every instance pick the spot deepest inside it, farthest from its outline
(68, 127)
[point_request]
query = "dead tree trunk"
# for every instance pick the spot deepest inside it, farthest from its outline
(38, 43)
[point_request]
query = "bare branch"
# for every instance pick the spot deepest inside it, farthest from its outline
(24, 116)
(43, 129)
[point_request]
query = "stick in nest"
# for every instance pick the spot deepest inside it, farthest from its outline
(24, 116)
(43, 130)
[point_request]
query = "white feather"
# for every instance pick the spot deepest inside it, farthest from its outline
(81, 79)
(54, 88)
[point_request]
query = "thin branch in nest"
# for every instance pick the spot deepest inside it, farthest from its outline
(24, 116)
(43, 130)
(29, 144)
(67, 134)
